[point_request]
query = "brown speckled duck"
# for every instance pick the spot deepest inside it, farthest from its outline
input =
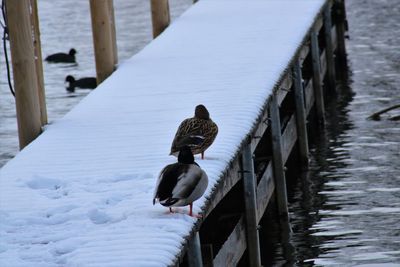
(181, 183)
(198, 132)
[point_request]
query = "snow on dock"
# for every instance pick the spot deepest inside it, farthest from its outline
(81, 193)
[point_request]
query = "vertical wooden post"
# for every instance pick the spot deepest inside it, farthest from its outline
(301, 117)
(160, 16)
(102, 38)
(330, 62)
(194, 252)
(38, 61)
(341, 25)
(277, 160)
(113, 32)
(316, 66)
(249, 186)
(24, 71)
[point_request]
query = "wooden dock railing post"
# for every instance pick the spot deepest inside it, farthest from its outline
(301, 117)
(330, 61)
(38, 61)
(249, 187)
(317, 84)
(24, 71)
(194, 251)
(277, 160)
(341, 27)
(160, 16)
(102, 38)
(113, 32)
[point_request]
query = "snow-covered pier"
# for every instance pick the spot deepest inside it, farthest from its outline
(81, 193)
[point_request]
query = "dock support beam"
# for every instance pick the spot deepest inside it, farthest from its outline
(24, 71)
(316, 67)
(341, 27)
(100, 11)
(301, 117)
(38, 61)
(330, 62)
(277, 160)
(113, 32)
(249, 187)
(194, 252)
(160, 16)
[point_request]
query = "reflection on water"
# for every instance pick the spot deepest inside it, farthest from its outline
(345, 211)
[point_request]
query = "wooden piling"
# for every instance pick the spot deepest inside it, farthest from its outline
(330, 62)
(341, 25)
(301, 118)
(194, 252)
(24, 71)
(160, 16)
(317, 84)
(113, 32)
(277, 159)
(38, 61)
(102, 38)
(249, 187)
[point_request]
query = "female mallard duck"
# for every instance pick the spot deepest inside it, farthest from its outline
(181, 183)
(198, 132)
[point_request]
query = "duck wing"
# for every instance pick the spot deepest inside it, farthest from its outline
(189, 133)
(167, 181)
(191, 185)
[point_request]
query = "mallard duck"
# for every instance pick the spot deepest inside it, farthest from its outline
(62, 57)
(198, 132)
(87, 82)
(181, 183)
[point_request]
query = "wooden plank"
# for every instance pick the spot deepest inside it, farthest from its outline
(301, 119)
(38, 60)
(24, 71)
(279, 172)
(284, 87)
(227, 181)
(265, 189)
(233, 248)
(310, 96)
(289, 138)
(102, 38)
(318, 24)
(160, 16)
(329, 49)
(194, 251)
(323, 64)
(303, 53)
(250, 204)
(259, 131)
(317, 83)
(334, 38)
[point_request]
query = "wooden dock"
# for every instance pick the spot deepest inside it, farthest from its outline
(253, 173)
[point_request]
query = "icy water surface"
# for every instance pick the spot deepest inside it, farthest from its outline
(346, 210)
(63, 25)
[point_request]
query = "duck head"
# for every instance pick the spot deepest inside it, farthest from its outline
(70, 79)
(201, 112)
(72, 52)
(185, 155)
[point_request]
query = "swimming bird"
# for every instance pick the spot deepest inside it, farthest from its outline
(85, 83)
(180, 184)
(62, 57)
(198, 132)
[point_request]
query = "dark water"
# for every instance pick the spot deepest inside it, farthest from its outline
(346, 210)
